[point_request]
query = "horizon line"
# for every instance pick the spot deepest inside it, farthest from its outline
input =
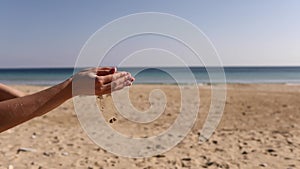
(233, 66)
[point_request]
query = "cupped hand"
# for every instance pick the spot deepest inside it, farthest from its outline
(100, 81)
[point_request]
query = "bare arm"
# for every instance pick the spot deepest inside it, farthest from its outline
(7, 93)
(18, 110)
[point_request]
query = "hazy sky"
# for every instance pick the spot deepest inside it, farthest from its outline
(50, 33)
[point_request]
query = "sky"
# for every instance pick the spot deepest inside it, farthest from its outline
(51, 33)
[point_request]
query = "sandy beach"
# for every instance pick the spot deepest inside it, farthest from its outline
(259, 129)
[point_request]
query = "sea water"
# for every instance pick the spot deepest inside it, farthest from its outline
(51, 76)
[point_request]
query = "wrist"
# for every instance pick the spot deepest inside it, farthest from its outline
(68, 88)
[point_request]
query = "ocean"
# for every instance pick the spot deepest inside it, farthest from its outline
(51, 76)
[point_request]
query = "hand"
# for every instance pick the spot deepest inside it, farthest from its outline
(99, 81)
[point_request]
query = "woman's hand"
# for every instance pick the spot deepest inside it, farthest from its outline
(99, 81)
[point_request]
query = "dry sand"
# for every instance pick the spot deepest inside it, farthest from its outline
(260, 129)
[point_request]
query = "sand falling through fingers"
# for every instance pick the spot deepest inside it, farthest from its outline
(101, 99)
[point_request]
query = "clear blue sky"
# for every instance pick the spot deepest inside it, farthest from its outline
(50, 33)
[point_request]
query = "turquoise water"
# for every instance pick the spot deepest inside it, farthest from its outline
(51, 76)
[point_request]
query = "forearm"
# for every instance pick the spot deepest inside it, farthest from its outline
(18, 110)
(7, 93)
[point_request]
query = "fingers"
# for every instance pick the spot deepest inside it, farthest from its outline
(109, 80)
(121, 86)
(111, 77)
(110, 88)
(121, 82)
(117, 84)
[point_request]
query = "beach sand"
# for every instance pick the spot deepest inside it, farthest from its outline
(260, 128)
